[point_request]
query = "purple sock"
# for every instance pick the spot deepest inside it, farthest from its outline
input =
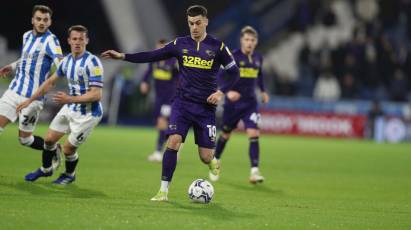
(169, 164)
(161, 139)
(254, 151)
(220, 147)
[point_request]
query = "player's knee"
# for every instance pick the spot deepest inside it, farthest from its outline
(26, 141)
(174, 141)
(50, 145)
(253, 133)
(206, 155)
(69, 149)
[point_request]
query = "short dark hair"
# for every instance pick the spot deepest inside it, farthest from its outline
(249, 30)
(42, 8)
(196, 10)
(162, 41)
(78, 28)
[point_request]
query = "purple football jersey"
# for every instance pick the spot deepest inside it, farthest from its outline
(199, 63)
(165, 76)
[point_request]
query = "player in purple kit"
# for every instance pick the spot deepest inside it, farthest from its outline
(165, 75)
(199, 57)
(241, 102)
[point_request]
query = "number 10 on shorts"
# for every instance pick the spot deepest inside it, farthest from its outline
(212, 131)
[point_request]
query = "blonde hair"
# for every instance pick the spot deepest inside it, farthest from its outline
(249, 30)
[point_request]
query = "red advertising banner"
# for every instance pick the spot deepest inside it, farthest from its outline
(313, 124)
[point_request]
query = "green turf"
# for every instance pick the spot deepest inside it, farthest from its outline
(311, 183)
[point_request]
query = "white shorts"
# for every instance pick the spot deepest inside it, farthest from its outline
(27, 118)
(75, 124)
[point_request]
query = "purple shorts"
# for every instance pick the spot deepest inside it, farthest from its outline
(201, 117)
(247, 111)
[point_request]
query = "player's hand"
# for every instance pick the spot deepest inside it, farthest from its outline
(6, 70)
(233, 95)
(23, 105)
(62, 98)
(112, 54)
(144, 88)
(215, 97)
(265, 97)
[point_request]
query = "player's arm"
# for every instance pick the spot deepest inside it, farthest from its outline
(53, 50)
(230, 67)
(94, 94)
(260, 82)
(144, 85)
(41, 91)
(8, 69)
(231, 95)
(164, 53)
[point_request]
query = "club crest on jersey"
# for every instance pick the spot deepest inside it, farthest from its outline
(210, 53)
(184, 51)
(242, 63)
(80, 71)
(197, 62)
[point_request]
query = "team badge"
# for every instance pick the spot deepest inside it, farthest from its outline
(80, 71)
(210, 53)
(242, 63)
(185, 51)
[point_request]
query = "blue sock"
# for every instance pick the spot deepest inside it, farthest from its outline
(161, 139)
(169, 164)
(220, 147)
(254, 151)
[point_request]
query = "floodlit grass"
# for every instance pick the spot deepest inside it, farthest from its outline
(311, 183)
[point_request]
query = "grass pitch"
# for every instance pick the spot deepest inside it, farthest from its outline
(311, 183)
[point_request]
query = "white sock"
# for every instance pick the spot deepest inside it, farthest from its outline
(164, 186)
(46, 170)
(1, 130)
(50, 147)
(254, 170)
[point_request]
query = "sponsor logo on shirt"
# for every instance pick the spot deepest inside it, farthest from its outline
(197, 62)
(248, 72)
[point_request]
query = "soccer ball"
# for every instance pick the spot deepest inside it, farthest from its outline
(201, 191)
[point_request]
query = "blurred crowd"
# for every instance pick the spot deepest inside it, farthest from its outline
(374, 64)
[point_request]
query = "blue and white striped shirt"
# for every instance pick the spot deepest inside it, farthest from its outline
(37, 56)
(82, 73)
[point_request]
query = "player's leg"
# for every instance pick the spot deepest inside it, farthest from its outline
(8, 103)
(28, 119)
(58, 127)
(71, 160)
(169, 164)
(231, 117)
(81, 128)
(161, 126)
(49, 151)
(222, 141)
(205, 133)
(4, 121)
(177, 132)
(251, 122)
